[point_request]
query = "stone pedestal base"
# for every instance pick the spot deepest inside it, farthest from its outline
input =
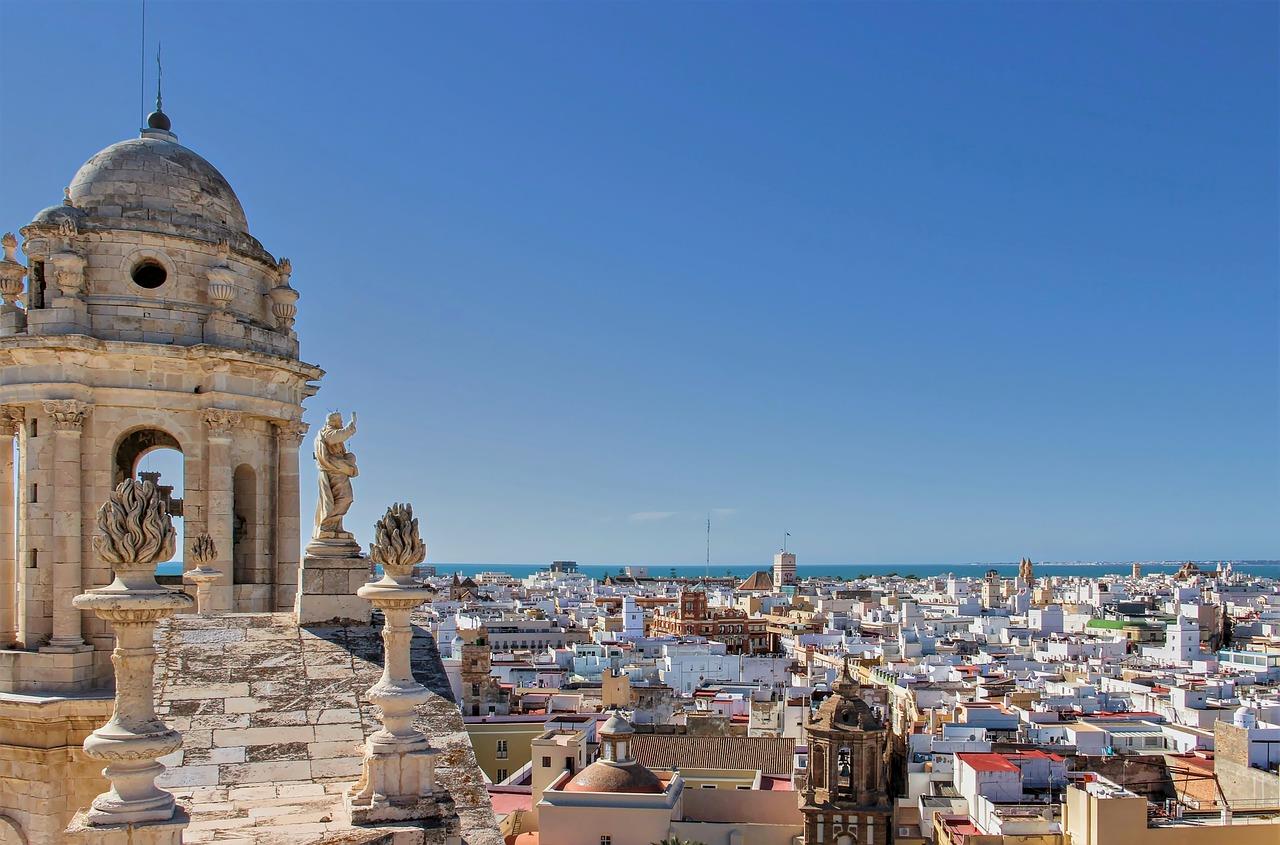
(167, 832)
(330, 574)
(399, 787)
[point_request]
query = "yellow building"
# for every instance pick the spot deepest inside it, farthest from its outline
(1102, 813)
(502, 743)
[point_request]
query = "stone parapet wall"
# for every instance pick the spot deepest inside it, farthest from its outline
(44, 773)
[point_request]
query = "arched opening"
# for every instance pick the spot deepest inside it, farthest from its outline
(818, 767)
(153, 455)
(245, 528)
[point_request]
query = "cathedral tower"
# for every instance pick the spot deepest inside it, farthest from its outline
(150, 319)
(847, 798)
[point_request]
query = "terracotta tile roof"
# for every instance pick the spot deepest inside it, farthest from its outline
(768, 754)
(760, 580)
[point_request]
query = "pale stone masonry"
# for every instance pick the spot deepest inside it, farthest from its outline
(274, 717)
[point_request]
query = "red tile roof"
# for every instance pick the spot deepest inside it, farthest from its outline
(987, 762)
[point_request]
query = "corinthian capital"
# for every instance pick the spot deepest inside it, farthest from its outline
(68, 414)
(11, 418)
(290, 432)
(221, 421)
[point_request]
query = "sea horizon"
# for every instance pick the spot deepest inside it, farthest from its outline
(1264, 568)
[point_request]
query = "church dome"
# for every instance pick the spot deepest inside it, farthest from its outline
(156, 183)
(606, 776)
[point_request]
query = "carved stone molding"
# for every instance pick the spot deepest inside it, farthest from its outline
(11, 419)
(68, 414)
(290, 432)
(221, 421)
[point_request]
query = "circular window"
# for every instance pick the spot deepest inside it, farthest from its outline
(149, 274)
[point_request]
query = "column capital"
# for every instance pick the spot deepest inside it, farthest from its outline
(68, 414)
(11, 418)
(221, 421)
(290, 432)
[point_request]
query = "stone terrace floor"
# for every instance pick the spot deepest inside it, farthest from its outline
(273, 717)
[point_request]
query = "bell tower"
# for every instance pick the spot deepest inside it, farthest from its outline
(847, 800)
(150, 319)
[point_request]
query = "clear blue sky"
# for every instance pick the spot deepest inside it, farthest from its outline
(915, 282)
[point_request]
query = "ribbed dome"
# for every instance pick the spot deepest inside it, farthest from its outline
(155, 180)
(603, 776)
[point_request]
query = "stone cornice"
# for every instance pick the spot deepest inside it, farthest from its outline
(13, 347)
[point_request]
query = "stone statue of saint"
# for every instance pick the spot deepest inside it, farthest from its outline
(337, 467)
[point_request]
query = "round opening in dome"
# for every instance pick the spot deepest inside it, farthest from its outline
(149, 275)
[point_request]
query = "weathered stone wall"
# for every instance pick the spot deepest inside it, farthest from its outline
(44, 774)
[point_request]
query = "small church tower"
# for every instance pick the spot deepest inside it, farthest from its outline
(847, 796)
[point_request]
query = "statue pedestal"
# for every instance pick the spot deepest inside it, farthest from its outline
(332, 570)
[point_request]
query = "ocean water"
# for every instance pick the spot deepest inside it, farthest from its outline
(1263, 568)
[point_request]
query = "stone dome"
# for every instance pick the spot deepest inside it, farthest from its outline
(616, 725)
(155, 182)
(604, 776)
(55, 214)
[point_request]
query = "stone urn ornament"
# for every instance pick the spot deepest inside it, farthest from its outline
(202, 552)
(397, 780)
(135, 532)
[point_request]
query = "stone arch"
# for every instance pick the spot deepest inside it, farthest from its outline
(245, 526)
(133, 445)
(11, 832)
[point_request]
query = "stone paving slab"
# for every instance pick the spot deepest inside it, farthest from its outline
(273, 717)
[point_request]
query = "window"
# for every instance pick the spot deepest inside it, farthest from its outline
(502, 749)
(35, 493)
(708, 786)
(606, 839)
(546, 762)
(502, 775)
(149, 274)
(33, 429)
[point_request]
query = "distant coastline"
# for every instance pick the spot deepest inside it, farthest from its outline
(1264, 568)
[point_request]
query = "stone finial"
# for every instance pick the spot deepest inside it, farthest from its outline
(203, 550)
(68, 414)
(285, 267)
(397, 545)
(11, 273)
(135, 531)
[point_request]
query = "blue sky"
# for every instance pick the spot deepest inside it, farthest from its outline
(915, 282)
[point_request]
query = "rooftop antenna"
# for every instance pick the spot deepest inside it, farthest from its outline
(708, 573)
(159, 78)
(142, 75)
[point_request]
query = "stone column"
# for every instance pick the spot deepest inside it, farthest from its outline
(135, 533)
(219, 496)
(10, 419)
(288, 536)
(397, 780)
(68, 422)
